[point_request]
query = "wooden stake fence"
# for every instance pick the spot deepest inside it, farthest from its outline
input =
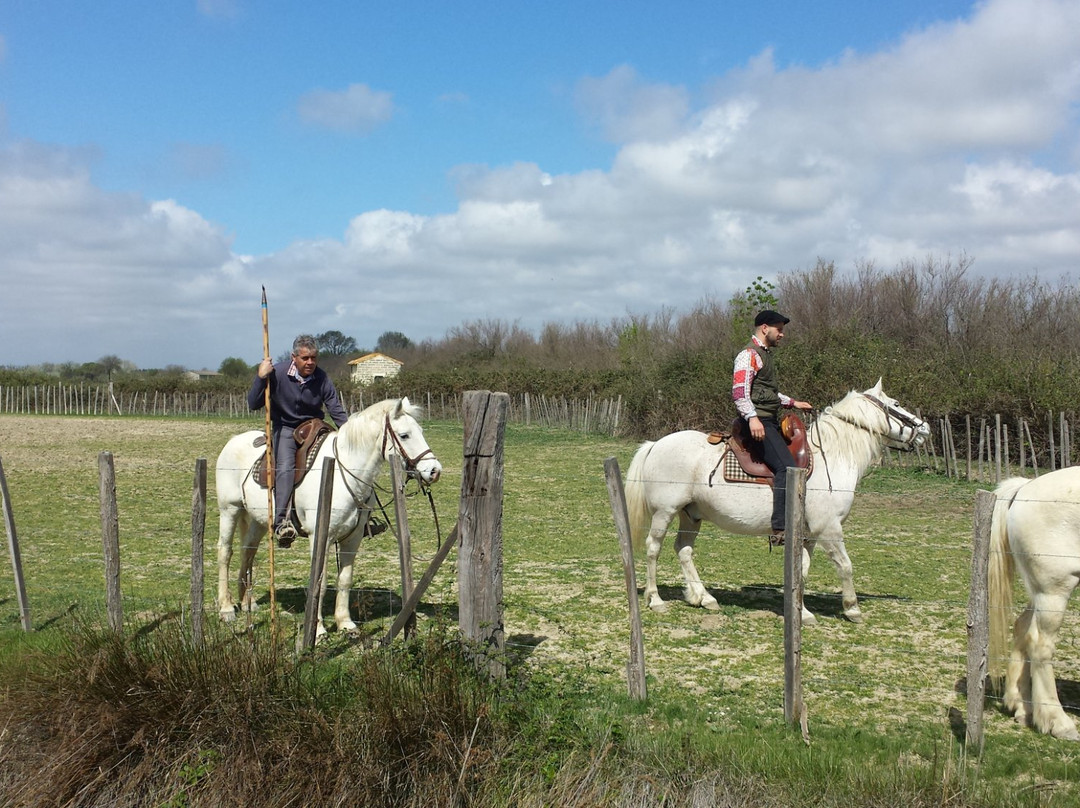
(978, 624)
(198, 533)
(13, 552)
(110, 539)
(635, 665)
(480, 611)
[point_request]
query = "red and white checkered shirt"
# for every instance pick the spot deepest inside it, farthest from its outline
(747, 365)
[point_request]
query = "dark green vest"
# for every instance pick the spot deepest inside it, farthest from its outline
(764, 391)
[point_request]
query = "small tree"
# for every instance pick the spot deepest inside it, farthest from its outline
(334, 343)
(392, 341)
(234, 368)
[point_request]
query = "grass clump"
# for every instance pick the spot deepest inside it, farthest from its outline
(144, 718)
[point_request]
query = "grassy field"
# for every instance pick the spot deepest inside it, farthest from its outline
(883, 696)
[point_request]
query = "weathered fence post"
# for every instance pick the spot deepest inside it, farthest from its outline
(978, 624)
(110, 539)
(317, 575)
(13, 551)
(794, 706)
(397, 483)
(198, 533)
(480, 601)
(635, 666)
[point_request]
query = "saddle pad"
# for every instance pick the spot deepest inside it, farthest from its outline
(733, 472)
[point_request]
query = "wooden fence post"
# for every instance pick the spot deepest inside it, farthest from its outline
(198, 533)
(110, 539)
(480, 596)
(978, 624)
(635, 666)
(317, 574)
(13, 551)
(794, 706)
(401, 516)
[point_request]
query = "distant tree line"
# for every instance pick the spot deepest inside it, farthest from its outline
(944, 342)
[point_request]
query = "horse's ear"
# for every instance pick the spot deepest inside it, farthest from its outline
(404, 405)
(877, 387)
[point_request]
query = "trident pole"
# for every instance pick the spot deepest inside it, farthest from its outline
(270, 478)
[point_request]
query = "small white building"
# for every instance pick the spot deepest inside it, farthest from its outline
(374, 367)
(201, 375)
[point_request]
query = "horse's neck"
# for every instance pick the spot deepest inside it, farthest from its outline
(840, 441)
(360, 458)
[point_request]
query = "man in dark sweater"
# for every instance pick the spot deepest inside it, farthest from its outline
(299, 389)
(758, 400)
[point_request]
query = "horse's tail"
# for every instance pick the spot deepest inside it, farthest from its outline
(1000, 577)
(637, 508)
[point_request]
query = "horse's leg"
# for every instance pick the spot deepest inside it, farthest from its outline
(832, 543)
(660, 521)
(252, 536)
(228, 520)
(1046, 712)
(695, 593)
(1017, 697)
(346, 553)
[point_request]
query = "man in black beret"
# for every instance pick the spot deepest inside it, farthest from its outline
(759, 400)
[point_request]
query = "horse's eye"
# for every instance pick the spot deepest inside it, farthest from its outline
(403, 436)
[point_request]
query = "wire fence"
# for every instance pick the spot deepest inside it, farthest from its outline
(591, 414)
(564, 595)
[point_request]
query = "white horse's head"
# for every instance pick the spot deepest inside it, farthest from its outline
(403, 436)
(905, 429)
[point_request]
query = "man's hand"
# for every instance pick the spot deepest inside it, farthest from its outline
(266, 367)
(757, 429)
(802, 405)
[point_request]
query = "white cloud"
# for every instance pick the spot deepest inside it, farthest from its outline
(356, 109)
(955, 140)
(218, 9)
(627, 109)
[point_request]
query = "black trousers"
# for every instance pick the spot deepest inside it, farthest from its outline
(778, 458)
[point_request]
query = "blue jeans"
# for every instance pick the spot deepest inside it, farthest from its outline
(284, 471)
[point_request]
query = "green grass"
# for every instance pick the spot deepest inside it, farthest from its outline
(884, 698)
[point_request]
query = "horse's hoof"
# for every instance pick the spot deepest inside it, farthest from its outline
(710, 605)
(348, 626)
(808, 618)
(854, 615)
(228, 616)
(660, 607)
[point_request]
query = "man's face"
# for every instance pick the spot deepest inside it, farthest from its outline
(305, 360)
(773, 334)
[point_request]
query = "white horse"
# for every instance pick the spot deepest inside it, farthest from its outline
(678, 474)
(1035, 529)
(359, 447)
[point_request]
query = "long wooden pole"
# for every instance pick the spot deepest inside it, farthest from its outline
(270, 478)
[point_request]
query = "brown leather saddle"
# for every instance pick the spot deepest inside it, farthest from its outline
(309, 437)
(748, 452)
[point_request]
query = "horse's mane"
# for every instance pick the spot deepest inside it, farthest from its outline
(365, 428)
(850, 428)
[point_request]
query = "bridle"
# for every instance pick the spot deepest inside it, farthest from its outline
(390, 436)
(904, 419)
(892, 413)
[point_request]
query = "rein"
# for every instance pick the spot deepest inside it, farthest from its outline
(410, 463)
(891, 413)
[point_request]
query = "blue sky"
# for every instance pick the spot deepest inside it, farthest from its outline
(416, 166)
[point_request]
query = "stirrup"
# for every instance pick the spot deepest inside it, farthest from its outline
(285, 534)
(776, 539)
(374, 526)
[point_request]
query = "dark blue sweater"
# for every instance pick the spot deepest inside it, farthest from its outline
(292, 403)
